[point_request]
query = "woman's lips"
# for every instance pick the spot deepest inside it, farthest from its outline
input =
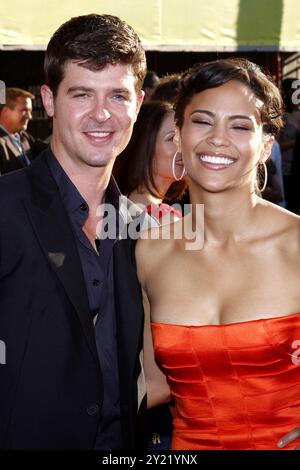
(216, 162)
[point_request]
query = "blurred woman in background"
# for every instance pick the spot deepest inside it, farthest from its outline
(148, 170)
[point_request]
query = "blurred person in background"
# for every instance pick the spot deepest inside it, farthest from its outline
(276, 159)
(144, 170)
(167, 88)
(149, 85)
(287, 139)
(17, 147)
(270, 184)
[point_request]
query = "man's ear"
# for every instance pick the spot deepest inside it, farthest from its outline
(140, 99)
(267, 147)
(48, 100)
(5, 111)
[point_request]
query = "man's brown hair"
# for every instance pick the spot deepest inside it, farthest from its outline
(93, 41)
(12, 95)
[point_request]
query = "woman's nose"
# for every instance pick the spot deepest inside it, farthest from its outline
(218, 135)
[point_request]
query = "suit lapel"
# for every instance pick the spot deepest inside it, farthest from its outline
(25, 142)
(130, 318)
(53, 229)
(14, 152)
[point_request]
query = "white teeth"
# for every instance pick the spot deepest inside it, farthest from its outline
(216, 160)
(98, 134)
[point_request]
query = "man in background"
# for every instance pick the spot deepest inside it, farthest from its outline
(17, 147)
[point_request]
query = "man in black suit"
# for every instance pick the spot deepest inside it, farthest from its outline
(17, 147)
(70, 307)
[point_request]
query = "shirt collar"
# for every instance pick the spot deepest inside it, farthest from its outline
(15, 136)
(71, 197)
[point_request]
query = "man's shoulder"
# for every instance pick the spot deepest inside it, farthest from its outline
(12, 185)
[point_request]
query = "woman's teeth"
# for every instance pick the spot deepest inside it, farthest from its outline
(216, 160)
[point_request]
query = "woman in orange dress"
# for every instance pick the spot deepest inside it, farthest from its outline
(224, 311)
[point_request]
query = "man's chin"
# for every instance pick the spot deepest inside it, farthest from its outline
(96, 162)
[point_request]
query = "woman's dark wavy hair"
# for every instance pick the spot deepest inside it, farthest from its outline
(216, 73)
(133, 167)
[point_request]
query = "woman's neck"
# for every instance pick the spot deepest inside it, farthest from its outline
(229, 217)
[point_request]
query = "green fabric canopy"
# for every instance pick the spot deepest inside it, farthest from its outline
(179, 25)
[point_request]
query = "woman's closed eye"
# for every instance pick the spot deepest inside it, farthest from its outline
(203, 122)
(241, 127)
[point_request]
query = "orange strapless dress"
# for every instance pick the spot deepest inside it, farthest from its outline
(236, 386)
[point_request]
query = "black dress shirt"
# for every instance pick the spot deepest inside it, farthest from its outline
(98, 274)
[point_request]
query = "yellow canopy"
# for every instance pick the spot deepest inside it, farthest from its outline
(182, 25)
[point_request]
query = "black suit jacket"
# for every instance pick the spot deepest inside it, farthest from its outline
(51, 387)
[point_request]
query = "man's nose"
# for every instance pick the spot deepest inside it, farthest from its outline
(101, 111)
(28, 114)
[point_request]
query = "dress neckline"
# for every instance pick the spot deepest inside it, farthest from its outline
(225, 325)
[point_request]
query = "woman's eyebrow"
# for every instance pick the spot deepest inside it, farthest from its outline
(234, 116)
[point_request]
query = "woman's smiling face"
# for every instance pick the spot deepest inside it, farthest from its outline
(222, 137)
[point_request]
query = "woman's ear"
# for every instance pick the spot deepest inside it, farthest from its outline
(268, 141)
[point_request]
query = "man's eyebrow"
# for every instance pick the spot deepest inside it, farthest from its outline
(85, 89)
(79, 88)
(211, 114)
(121, 90)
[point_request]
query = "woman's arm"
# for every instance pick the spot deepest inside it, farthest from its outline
(158, 390)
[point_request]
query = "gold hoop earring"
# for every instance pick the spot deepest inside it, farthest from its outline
(173, 168)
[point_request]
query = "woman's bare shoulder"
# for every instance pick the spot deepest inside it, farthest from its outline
(282, 223)
(153, 246)
(154, 239)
